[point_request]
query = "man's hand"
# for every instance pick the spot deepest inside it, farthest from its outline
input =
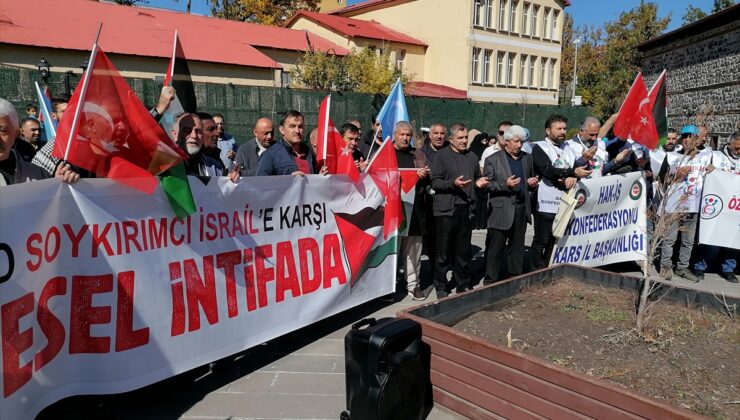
(323, 171)
(482, 182)
(570, 182)
(589, 153)
(710, 168)
(423, 172)
(513, 182)
(623, 155)
(683, 172)
(230, 155)
(648, 174)
(532, 182)
(234, 172)
(582, 172)
(361, 164)
(301, 173)
(65, 172)
(460, 182)
(165, 99)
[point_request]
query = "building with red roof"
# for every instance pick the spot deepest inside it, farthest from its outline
(494, 50)
(139, 41)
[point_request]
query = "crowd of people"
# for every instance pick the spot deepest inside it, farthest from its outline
(467, 180)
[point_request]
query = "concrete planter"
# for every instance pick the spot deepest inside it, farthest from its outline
(479, 379)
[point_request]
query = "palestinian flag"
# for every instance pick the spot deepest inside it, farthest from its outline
(174, 182)
(409, 178)
(359, 232)
(659, 105)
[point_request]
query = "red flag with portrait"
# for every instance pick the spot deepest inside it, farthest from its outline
(114, 135)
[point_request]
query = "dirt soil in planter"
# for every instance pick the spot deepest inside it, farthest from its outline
(688, 357)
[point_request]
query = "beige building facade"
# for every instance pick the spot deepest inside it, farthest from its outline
(497, 50)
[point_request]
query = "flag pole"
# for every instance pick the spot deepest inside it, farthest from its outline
(171, 75)
(370, 152)
(83, 91)
(326, 129)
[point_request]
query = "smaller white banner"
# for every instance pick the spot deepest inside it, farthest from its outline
(720, 210)
(608, 224)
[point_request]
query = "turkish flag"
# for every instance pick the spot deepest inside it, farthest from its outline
(113, 134)
(384, 171)
(635, 118)
(331, 150)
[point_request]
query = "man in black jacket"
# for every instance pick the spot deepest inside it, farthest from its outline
(248, 155)
(455, 174)
(511, 178)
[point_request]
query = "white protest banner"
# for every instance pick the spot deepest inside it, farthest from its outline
(103, 290)
(720, 210)
(608, 224)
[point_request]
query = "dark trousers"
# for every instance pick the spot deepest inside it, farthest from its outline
(453, 248)
(543, 241)
(430, 232)
(507, 243)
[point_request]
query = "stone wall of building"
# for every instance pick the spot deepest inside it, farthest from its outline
(703, 78)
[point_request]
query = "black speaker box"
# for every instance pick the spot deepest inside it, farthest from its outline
(387, 371)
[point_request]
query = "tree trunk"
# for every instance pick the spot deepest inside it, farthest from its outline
(642, 305)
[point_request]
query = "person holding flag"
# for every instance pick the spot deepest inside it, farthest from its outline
(409, 253)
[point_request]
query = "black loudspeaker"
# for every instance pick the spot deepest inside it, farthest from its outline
(387, 371)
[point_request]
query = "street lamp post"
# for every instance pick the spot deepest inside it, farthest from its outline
(575, 67)
(44, 69)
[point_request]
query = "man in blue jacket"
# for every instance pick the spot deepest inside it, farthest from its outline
(290, 155)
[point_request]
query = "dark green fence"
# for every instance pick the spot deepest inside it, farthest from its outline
(242, 105)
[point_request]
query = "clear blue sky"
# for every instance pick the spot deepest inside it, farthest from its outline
(585, 12)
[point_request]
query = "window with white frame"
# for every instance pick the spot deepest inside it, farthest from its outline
(500, 70)
(543, 72)
(502, 15)
(512, 15)
(553, 65)
(400, 59)
(477, 12)
(487, 66)
(489, 13)
(523, 69)
(534, 19)
(475, 67)
(525, 19)
(555, 36)
(546, 23)
(510, 69)
(530, 77)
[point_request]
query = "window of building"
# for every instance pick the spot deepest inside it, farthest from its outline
(543, 72)
(502, 15)
(546, 23)
(553, 65)
(477, 12)
(500, 70)
(530, 77)
(487, 66)
(510, 70)
(400, 59)
(523, 69)
(535, 17)
(554, 33)
(489, 13)
(512, 15)
(475, 65)
(525, 19)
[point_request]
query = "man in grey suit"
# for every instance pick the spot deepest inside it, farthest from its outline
(249, 153)
(511, 178)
